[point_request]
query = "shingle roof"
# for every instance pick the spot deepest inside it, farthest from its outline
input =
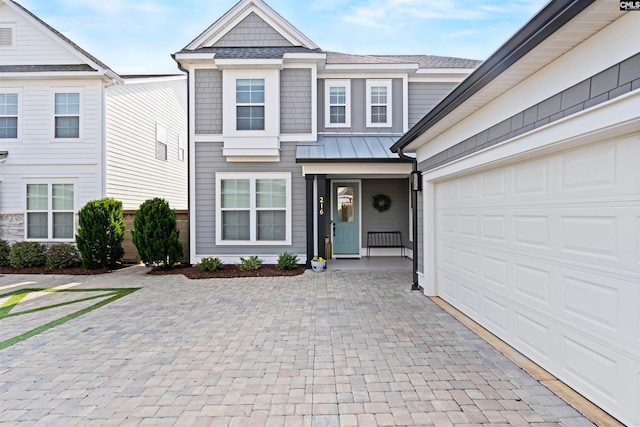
(433, 61)
(363, 148)
(424, 61)
(63, 37)
(44, 68)
(252, 52)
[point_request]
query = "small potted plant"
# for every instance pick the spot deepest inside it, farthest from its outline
(318, 264)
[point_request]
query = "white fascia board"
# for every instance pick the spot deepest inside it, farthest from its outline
(249, 63)
(371, 67)
(239, 12)
(152, 79)
(611, 119)
(52, 75)
(366, 75)
(445, 71)
(301, 56)
(194, 56)
(355, 168)
(436, 79)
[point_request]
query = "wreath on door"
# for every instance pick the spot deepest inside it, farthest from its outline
(381, 202)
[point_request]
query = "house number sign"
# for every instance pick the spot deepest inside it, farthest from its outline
(321, 206)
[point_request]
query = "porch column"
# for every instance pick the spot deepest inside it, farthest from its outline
(310, 217)
(323, 208)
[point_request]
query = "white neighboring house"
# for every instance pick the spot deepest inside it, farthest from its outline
(54, 131)
(531, 198)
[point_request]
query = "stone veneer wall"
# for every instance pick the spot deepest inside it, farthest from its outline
(12, 227)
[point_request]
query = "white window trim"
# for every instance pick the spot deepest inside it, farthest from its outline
(13, 28)
(11, 91)
(56, 90)
(50, 182)
(328, 84)
(380, 83)
(271, 103)
(220, 176)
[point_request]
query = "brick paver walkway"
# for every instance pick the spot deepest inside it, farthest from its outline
(340, 348)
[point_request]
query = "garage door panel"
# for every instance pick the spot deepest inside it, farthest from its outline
(546, 255)
(533, 335)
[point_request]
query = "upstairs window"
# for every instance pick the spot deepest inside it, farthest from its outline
(67, 115)
(379, 103)
(8, 115)
(250, 104)
(50, 211)
(337, 99)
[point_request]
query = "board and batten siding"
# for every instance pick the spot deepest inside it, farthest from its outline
(209, 160)
(133, 173)
(30, 43)
(423, 96)
(208, 101)
(358, 109)
(36, 157)
(295, 101)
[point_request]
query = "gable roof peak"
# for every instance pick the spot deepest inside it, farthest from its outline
(238, 13)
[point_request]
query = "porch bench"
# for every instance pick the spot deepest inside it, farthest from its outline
(384, 239)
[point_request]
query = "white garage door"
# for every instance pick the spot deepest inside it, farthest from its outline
(546, 255)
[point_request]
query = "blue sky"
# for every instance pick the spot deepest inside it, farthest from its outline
(138, 36)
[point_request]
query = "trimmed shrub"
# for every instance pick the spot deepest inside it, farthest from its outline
(4, 252)
(101, 232)
(251, 263)
(62, 255)
(155, 234)
(27, 254)
(287, 261)
(210, 264)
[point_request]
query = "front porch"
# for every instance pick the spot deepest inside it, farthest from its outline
(373, 263)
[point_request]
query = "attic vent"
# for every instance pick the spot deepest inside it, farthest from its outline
(6, 35)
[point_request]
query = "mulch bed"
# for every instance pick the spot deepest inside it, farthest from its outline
(78, 270)
(229, 271)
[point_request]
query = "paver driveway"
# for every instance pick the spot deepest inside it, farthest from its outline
(322, 349)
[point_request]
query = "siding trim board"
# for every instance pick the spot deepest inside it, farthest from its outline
(609, 84)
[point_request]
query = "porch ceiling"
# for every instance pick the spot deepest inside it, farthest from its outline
(349, 148)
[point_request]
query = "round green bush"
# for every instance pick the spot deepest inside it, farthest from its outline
(210, 264)
(287, 261)
(62, 255)
(5, 248)
(27, 254)
(155, 234)
(101, 232)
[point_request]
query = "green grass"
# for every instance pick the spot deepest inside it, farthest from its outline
(15, 297)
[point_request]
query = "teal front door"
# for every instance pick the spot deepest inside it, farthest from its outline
(345, 198)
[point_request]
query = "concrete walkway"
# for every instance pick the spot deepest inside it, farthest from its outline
(340, 348)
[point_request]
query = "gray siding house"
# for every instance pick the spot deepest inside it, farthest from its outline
(289, 144)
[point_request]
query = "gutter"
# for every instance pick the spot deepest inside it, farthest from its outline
(549, 20)
(414, 214)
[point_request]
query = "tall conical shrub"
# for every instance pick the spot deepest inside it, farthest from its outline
(101, 232)
(155, 234)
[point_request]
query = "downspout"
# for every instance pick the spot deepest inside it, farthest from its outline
(414, 214)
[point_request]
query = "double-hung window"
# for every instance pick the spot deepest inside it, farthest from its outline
(379, 103)
(250, 104)
(50, 211)
(67, 115)
(161, 142)
(8, 115)
(337, 100)
(253, 209)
